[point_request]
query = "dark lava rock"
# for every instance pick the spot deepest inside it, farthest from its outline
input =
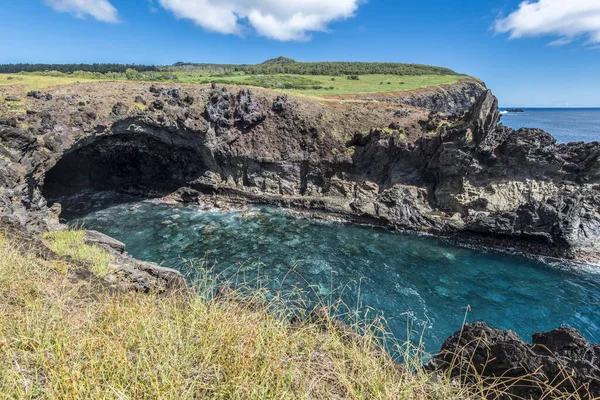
(47, 122)
(120, 109)
(218, 110)
(158, 104)
(31, 112)
(48, 96)
(562, 359)
(174, 93)
(36, 94)
(21, 118)
(8, 122)
(280, 103)
(189, 100)
(91, 115)
(140, 100)
(247, 113)
(12, 98)
(403, 113)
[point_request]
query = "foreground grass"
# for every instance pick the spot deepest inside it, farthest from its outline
(60, 339)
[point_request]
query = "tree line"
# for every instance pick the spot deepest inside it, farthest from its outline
(279, 65)
(71, 68)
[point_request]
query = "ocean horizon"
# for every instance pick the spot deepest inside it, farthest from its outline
(566, 124)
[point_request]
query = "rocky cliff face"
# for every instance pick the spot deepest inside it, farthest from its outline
(416, 165)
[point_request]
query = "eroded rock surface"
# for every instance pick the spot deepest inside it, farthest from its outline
(413, 165)
(562, 359)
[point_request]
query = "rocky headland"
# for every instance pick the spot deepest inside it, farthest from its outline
(420, 165)
(434, 161)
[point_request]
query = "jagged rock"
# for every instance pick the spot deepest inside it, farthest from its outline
(561, 358)
(247, 112)
(8, 122)
(218, 110)
(158, 105)
(36, 94)
(120, 109)
(140, 100)
(142, 276)
(102, 240)
(467, 175)
(174, 93)
(280, 103)
(12, 98)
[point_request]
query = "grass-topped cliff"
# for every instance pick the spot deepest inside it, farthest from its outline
(318, 78)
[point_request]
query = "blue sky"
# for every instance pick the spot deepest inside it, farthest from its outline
(541, 53)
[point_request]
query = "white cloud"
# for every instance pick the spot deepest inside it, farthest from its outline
(564, 19)
(102, 10)
(275, 19)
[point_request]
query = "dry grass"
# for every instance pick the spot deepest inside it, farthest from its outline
(71, 243)
(29, 82)
(66, 339)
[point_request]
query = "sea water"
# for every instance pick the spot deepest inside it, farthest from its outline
(421, 285)
(565, 124)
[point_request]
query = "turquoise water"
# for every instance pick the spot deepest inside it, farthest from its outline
(565, 124)
(415, 281)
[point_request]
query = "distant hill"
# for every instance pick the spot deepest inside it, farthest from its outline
(279, 60)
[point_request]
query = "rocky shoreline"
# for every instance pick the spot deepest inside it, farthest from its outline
(442, 166)
(459, 174)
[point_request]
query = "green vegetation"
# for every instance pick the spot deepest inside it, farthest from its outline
(71, 243)
(71, 68)
(280, 65)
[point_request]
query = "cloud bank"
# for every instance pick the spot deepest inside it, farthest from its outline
(275, 19)
(102, 10)
(564, 19)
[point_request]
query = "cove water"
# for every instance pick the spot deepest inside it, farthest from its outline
(565, 124)
(417, 282)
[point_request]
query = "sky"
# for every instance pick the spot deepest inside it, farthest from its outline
(530, 53)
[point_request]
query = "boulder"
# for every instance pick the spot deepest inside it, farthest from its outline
(561, 359)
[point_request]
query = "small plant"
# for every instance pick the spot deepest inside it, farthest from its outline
(353, 77)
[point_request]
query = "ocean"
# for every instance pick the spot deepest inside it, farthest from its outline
(565, 124)
(423, 286)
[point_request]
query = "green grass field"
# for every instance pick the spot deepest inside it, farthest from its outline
(316, 85)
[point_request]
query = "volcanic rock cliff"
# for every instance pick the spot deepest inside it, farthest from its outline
(436, 164)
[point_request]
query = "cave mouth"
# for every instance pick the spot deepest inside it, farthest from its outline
(129, 163)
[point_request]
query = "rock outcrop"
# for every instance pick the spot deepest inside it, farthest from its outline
(561, 359)
(417, 165)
